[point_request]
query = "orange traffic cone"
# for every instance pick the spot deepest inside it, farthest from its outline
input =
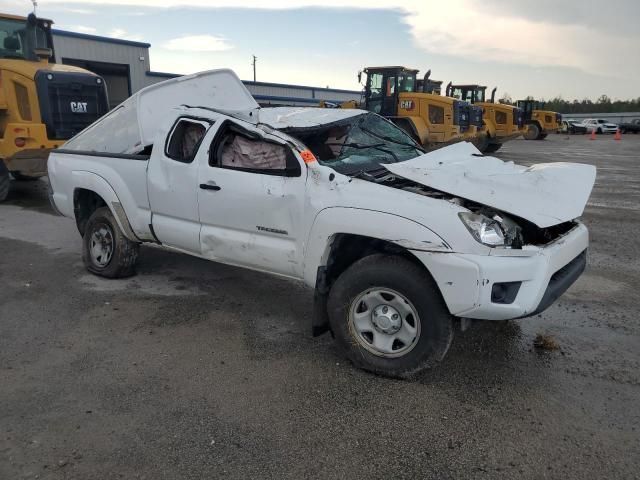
(593, 134)
(617, 136)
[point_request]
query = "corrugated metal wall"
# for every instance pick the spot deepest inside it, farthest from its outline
(136, 55)
(90, 49)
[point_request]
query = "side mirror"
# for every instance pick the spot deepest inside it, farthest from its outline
(360, 76)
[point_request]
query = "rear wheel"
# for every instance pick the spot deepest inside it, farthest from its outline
(388, 316)
(533, 132)
(105, 250)
(5, 181)
(482, 143)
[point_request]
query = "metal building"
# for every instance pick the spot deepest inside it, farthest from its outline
(125, 66)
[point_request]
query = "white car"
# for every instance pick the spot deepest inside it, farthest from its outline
(599, 125)
(396, 244)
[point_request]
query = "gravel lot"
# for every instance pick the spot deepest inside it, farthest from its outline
(196, 370)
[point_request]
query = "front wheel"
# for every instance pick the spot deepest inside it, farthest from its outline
(105, 250)
(388, 316)
(5, 181)
(532, 132)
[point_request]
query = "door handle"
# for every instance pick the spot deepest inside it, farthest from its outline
(208, 186)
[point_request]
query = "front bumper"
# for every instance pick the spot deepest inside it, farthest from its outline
(466, 281)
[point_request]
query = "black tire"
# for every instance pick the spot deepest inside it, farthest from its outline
(23, 178)
(5, 181)
(124, 253)
(482, 143)
(599, 131)
(416, 285)
(493, 147)
(533, 132)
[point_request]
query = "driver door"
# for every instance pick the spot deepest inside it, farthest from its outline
(251, 200)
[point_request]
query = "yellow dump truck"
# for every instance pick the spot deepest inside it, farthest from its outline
(538, 121)
(42, 104)
(430, 118)
(500, 122)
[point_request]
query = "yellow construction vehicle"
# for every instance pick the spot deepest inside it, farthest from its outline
(500, 122)
(347, 104)
(538, 121)
(42, 104)
(431, 119)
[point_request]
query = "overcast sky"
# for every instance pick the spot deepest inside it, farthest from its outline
(572, 48)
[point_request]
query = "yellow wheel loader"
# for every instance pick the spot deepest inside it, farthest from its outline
(500, 122)
(42, 104)
(538, 121)
(431, 119)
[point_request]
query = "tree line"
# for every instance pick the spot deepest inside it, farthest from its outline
(604, 104)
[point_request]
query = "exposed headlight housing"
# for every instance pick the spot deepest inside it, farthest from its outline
(492, 228)
(484, 229)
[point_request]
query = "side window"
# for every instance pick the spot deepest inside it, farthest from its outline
(501, 117)
(234, 149)
(436, 114)
(376, 85)
(184, 140)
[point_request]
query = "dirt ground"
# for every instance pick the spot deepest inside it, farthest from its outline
(194, 370)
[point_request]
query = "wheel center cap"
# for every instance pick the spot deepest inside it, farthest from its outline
(386, 319)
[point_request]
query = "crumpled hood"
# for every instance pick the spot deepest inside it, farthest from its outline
(546, 194)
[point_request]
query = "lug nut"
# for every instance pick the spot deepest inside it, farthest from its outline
(385, 309)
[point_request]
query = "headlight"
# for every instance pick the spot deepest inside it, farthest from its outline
(484, 229)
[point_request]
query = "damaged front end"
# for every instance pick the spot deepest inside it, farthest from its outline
(487, 225)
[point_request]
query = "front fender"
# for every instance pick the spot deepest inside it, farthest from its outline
(392, 228)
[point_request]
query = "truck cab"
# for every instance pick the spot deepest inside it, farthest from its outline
(431, 119)
(42, 104)
(500, 122)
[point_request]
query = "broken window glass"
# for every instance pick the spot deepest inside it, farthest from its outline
(359, 143)
(184, 140)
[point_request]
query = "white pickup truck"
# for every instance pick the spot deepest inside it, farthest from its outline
(396, 243)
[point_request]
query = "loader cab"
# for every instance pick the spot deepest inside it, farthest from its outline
(25, 39)
(383, 87)
(469, 93)
(429, 86)
(528, 106)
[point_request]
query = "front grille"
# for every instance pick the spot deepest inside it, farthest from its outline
(476, 116)
(69, 102)
(518, 117)
(462, 114)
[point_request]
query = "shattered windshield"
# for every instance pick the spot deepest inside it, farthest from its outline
(358, 144)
